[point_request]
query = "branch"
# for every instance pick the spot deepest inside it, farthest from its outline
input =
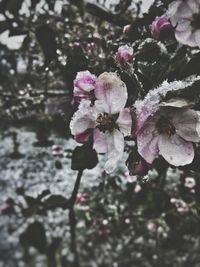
(104, 14)
(72, 218)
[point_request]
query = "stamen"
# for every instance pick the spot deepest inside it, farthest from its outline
(106, 122)
(165, 126)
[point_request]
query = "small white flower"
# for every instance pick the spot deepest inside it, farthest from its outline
(190, 182)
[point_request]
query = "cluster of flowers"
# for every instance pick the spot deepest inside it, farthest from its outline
(169, 128)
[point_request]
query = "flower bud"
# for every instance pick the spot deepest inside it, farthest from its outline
(84, 84)
(137, 165)
(124, 54)
(161, 28)
(126, 28)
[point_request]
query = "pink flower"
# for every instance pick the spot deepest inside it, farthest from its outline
(169, 132)
(84, 85)
(107, 120)
(161, 28)
(124, 54)
(185, 17)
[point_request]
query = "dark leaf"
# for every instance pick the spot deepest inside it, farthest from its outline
(192, 67)
(47, 40)
(4, 25)
(84, 157)
(12, 6)
(55, 201)
(35, 236)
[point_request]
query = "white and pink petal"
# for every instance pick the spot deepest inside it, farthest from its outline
(186, 123)
(175, 150)
(115, 141)
(84, 118)
(124, 122)
(147, 141)
(111, 93)
(100, 143)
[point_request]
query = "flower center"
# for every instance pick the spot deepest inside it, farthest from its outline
(196, 21)
(106, 122)
(165, 126)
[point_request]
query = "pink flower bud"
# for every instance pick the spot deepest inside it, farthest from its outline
(126, 28)
(161, 28)
(76, 45)
(84, 84)
(90, 46)
(124, 54)
(137, 165)
(151, 226)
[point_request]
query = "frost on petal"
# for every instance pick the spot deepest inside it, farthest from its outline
(175, 150)
(151, 103)
(115, 150)
(111, 93)
(186, 123)
(124, 122)
(100, 141)
(147, 141)
(177, 103)
(83, 119)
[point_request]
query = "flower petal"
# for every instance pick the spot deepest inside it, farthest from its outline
(175, 150)
(193, 5)
(111, 93)
(124, 122)
(99, 141)
(197, 37)
(115, 150)
(147, 141)
(186, 123)
(176, 102)
(184, 11)
(83, 119)
(186, 37)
